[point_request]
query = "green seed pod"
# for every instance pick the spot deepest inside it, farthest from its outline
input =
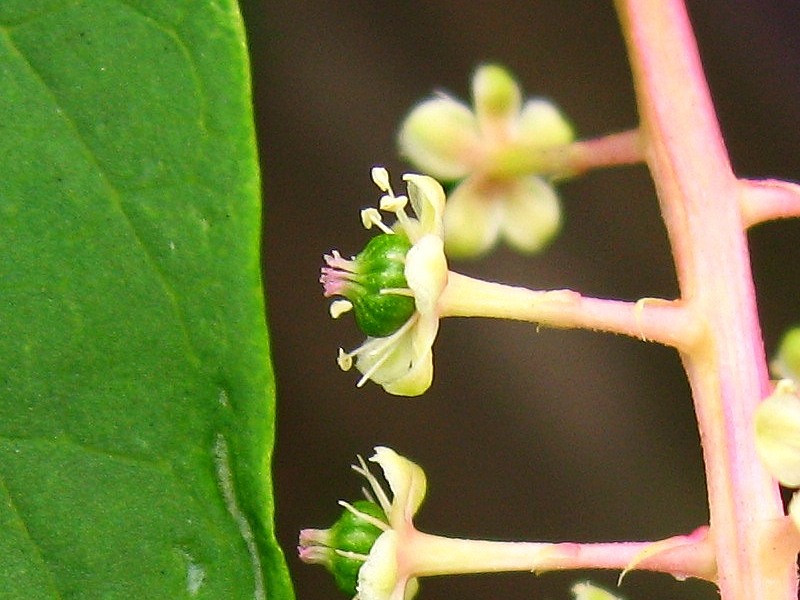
(380, 266)
(353, 534)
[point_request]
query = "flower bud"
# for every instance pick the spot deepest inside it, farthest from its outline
(777, 424)
(787, 362)
(375, 283)
(343, 548)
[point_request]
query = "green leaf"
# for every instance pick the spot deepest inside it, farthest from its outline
(136, 395)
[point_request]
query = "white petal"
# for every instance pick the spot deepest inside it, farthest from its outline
(541, 125)
(497, 99)
(386, 359)
(407, 482)
(426, 272)
(440, 137)
(428, 201)
(532, 214)
(416, 380)
(377, 577)
(471, 220)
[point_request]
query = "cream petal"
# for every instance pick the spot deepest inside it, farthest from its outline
(541, 125)
(378, 577)
(532, 214)
(471, 220)
(428, 201)
(426, 272)
(419, 376)
(416, 380)
(407, 482)
(440, 136)
(386, 359)
(497, 99)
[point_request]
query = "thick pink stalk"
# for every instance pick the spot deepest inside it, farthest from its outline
(700, 202)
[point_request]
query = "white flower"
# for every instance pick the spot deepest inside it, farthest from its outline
(400, 357)
(385, 575)
(496, 154)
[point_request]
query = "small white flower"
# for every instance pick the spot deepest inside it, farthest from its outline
(488, 151)
(384, 575)
(400, 361)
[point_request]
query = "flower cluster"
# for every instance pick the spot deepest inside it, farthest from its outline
(393, 287)
(500, 156)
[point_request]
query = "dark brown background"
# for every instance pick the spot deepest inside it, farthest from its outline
(545, 435)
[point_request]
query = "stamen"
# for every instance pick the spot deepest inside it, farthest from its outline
(371, 217)
(397, 205)
(351, 555)
(364, 516)
(393, 203)
(381, 178)
(373, 482)
(398, 291)
(339, 307)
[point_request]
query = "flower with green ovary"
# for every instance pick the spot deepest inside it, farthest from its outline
(399, 287)
(393, 287)
(503, 156)
(401, 554)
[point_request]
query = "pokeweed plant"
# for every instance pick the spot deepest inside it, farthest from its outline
(502, 157)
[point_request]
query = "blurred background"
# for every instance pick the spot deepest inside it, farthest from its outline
(525, 435)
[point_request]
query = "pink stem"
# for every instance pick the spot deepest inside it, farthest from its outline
(650, 319)
(726, 367)
(422, 554)
(624, 148)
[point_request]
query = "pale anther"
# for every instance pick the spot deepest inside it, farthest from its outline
(372, 217)
(344, 360)
(339, 307)
(381, 178)
(393, 203)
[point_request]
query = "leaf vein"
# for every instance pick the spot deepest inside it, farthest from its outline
(116, 200)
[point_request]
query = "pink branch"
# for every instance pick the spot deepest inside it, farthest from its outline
(768, 200)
